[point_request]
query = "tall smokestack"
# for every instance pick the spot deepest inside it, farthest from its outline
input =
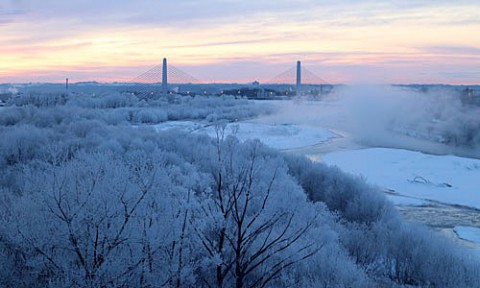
(66, 86)
(164, 77)
(299, 78)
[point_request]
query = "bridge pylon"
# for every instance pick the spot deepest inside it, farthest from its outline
(164, 78)
(298, 87)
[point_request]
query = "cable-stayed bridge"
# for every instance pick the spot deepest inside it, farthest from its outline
(159, 80)
(156, 80)
(291, 75)
(174, 75)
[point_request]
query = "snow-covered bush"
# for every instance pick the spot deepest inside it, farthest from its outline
(149, 116)
(376, 237)
(11, 115)
(40, 99)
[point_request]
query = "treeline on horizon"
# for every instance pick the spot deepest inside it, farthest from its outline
(440, 113)
(92, 196)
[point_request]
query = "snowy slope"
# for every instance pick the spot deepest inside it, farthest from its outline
(446, 179)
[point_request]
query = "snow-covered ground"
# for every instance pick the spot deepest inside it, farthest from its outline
(471, 234)
(440, 184)
(283, 136)
(445, 179)
(187, 126)
(400, 200)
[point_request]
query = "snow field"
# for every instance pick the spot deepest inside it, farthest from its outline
(445, 179)
(282, 137)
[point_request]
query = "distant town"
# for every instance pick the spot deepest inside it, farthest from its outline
(469, 95)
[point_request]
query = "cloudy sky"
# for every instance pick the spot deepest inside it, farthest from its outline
(241, 40)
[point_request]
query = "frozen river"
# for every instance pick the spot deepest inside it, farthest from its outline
(425, 183)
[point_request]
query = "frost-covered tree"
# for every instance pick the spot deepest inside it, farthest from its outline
(255, 221)
(99, 219)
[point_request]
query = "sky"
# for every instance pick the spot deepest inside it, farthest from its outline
(241, 40)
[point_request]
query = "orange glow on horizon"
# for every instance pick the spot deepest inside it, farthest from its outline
(393, 46)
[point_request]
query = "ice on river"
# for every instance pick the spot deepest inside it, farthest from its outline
(446, 179)
(471, 234)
